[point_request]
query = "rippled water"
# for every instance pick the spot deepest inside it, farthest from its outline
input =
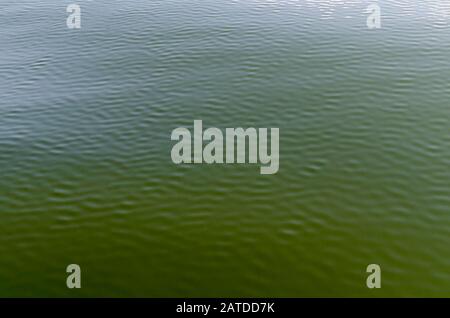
(86, 174)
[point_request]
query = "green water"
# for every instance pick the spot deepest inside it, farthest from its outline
(86, 175)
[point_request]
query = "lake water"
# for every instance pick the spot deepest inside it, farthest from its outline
(86, 175)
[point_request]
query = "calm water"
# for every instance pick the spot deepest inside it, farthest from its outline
(86, 175)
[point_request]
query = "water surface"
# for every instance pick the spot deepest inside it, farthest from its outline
(86, 175)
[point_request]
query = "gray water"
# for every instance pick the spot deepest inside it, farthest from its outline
(86, 175)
